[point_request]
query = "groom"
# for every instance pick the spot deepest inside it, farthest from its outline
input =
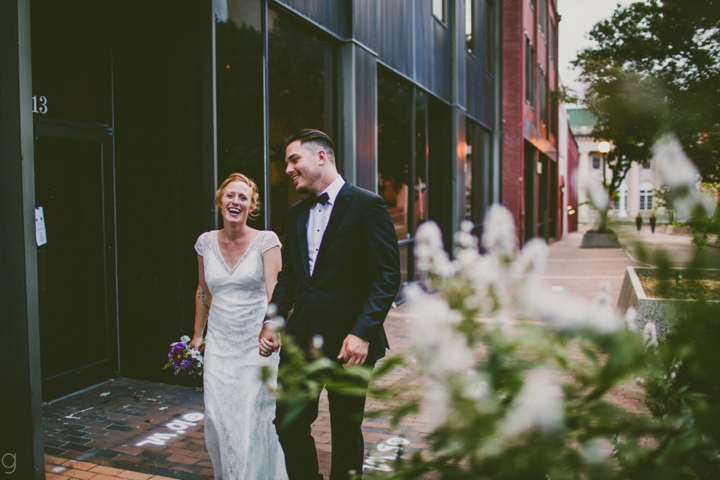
(340, 276)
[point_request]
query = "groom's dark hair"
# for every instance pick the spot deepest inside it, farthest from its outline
(316, 137)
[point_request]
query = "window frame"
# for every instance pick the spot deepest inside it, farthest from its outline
(470, 37)
(438, 8)
(530, 66)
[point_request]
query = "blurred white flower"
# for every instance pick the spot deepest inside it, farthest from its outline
(650, 334)
(438, 346)
(471, 302)
(675, 169)
(603, 297)
(598, 196)
(185, 339)
(437, 401)
(597, 450)
(464, 237)
(565, 312)
(318, 341)
(475, 386)
(499, 231)
(630, 316)
(533, 258)
(538, 405)
(602, 315)
(429, 253)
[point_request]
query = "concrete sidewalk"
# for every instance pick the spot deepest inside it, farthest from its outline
(131, 429)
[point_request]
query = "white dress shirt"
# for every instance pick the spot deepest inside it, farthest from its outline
(318, 220)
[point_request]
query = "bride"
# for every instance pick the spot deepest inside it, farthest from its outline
(238, 268)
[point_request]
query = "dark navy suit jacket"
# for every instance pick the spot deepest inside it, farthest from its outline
(355, 279)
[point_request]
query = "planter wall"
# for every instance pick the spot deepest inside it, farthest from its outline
(665, 312)
(600, 240)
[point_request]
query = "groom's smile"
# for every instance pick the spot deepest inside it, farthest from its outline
(303, 166)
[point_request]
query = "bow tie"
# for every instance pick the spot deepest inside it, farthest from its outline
(322, 199)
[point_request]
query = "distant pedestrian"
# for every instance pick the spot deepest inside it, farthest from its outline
(653, 222)
(638, 222)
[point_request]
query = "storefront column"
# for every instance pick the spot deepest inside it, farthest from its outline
(457, 118)
(21, 454)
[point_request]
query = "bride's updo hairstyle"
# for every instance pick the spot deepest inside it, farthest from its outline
(239, 177)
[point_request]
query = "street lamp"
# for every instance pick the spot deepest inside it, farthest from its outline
(604, 147)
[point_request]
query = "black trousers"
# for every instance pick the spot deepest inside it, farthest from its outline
(348, 446)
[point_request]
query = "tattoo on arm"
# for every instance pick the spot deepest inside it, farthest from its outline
(203, 298)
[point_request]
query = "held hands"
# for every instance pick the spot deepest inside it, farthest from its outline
(354, 351)
(269, 339)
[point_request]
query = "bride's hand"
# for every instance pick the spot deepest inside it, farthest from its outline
(269, 340)
(196, 343)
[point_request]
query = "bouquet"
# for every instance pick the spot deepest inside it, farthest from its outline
(184, 360)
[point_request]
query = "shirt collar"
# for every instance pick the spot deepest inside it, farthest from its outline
(334, 189)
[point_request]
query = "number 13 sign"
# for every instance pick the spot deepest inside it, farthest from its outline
(39, 104)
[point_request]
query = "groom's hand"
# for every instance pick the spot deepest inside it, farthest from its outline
(354, 351)
(269, 339)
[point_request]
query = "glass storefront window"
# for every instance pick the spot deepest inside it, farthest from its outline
(478, 174)
(239, 87)
(302, 94)
(421, 158)
(394, 148)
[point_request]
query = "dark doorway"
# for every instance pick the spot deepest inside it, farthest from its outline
(74, 186)
(529, 193)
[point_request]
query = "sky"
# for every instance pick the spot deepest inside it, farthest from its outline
(578, 18)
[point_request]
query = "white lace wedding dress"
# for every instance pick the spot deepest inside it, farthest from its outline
(239, 411)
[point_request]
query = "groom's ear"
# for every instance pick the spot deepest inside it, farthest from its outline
(322, 156)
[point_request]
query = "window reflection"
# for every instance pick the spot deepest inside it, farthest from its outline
(238, 44)
(479, 174)
(394, 148)
(421, 158)
(301, 95)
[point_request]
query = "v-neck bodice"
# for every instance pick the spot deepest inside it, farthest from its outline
(221, 257)
(244, 283)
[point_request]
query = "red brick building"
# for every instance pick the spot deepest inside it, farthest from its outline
(530, 117)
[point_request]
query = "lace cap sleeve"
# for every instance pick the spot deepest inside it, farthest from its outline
(270, 240)
(201, 244)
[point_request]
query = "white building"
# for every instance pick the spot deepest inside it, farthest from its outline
(636, 191)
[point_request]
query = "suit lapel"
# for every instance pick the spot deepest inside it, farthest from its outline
(338, 212)
(302, 236)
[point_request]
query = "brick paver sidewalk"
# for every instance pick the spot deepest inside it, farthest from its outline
(131, 429)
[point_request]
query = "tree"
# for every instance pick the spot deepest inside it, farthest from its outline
(656, 68)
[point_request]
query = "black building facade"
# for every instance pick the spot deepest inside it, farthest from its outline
(120, 118)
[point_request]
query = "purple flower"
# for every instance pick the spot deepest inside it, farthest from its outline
(182, 361)
(177, 352)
